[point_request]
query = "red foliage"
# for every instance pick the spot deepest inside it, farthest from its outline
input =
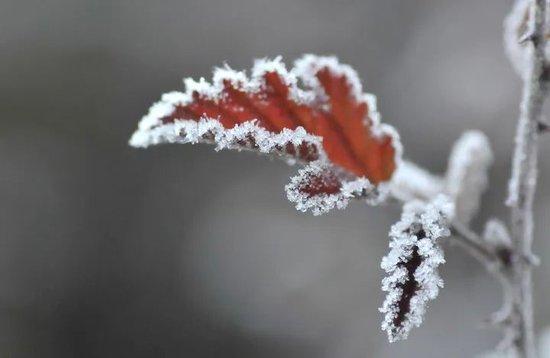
(342, 120)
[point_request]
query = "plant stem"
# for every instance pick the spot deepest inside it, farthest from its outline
(523, 183)
(495, 264)
(475, 246)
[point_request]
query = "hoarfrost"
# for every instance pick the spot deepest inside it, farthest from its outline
(411, 265)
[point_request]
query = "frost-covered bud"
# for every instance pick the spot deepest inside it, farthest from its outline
(411, 265)
(467, 173)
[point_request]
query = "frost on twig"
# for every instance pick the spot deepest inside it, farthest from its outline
(328, 120)
(516, 35)
(467, 173)
(411, 265)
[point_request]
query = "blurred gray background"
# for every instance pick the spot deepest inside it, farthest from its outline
(178, 251)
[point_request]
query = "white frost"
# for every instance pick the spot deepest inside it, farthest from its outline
(247, 136)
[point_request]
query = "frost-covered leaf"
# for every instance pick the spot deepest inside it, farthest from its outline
(516, 28)
(328, 120)
(411, 265)
(467, 173)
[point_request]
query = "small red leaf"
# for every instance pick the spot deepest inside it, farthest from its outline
(320, 187)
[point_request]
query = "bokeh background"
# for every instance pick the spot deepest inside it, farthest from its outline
(178, 251)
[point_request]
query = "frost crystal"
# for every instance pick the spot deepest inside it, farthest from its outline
(467, 173)
(411, 265)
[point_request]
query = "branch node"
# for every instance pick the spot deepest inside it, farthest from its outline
(529, 36)
(543, 127)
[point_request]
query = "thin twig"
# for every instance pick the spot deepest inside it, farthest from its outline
(471, 242)
(523, 182)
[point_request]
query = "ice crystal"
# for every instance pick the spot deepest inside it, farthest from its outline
(411, 265)
(467, 173)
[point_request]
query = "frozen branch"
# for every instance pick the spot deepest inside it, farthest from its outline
(523, 180)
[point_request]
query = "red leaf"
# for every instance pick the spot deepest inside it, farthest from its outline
(331, 120)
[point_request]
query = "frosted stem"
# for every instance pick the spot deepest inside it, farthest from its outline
(523, 183)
